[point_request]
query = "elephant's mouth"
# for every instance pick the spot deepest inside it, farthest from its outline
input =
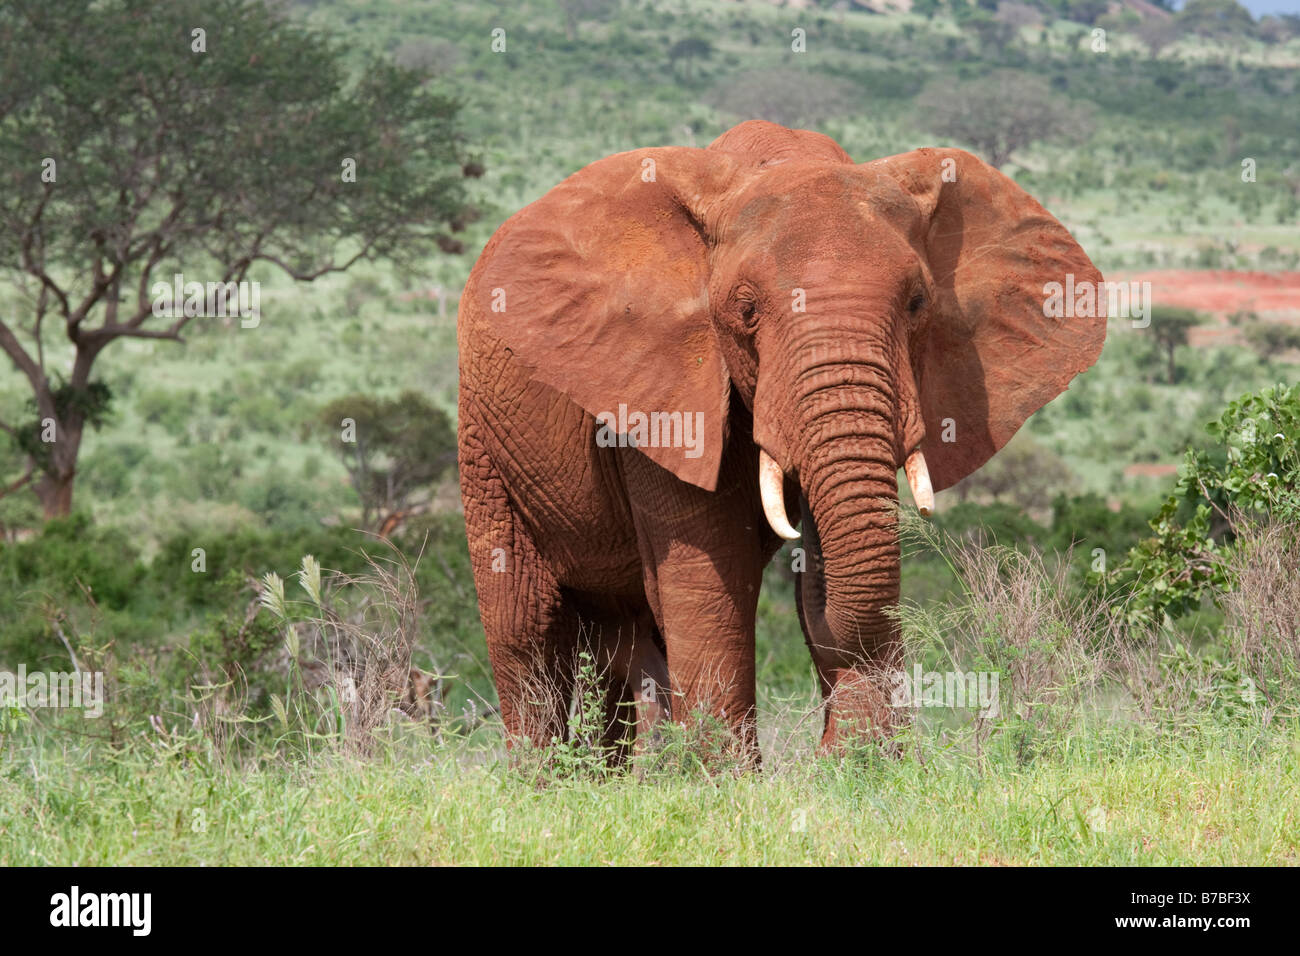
(771, 486)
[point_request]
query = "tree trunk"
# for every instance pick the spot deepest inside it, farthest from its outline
(55, 494)
(54, 488)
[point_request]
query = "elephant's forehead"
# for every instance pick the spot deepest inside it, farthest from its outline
(831, 205)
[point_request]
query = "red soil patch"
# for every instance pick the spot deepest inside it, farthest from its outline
(1273, 296)
(1149, 470)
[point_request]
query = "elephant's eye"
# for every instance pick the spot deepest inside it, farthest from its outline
(748, 311)
(916, 304)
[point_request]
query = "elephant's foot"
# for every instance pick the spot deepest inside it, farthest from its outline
(861, 707)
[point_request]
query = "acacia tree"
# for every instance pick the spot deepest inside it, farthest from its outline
(688, 50)
(999, 113)
(1216, 18)
(1171, 326)
(394, 450)
(1024, 473)
(144, 138)
(1271, 339)
(785, 95)
(1158, 32)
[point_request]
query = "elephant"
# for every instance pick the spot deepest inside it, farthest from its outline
(675, 349)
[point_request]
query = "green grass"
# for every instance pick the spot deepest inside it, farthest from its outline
(1211, 798)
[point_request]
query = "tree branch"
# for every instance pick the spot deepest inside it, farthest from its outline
(16, 485)
(332, 267)
(29, 259)
(133, 332)
(14, 349)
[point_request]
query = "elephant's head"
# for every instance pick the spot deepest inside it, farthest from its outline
(868, 315)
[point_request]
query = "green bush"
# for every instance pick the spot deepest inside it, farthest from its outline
(71, 552)
(1255, 470)
(248, 552)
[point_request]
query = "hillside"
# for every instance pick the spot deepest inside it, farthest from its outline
(1148, 178)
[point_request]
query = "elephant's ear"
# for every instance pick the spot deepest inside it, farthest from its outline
(601, 288)
(771, 145)
(997, 346)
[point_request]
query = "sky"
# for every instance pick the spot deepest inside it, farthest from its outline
(1261, 7)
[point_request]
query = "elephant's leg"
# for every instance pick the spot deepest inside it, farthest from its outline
(532, 642)
(531, 629)
(856, 680)
(702, 554)
(634, 673)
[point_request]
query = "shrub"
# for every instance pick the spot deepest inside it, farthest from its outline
(1262, 627)
(247, 552)
(1017, 617)
(1256, 473)
(71, 552)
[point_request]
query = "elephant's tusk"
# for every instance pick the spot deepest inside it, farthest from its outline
(918, 479)
(771, 485)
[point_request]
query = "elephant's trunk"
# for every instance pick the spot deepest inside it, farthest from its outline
(848, 456)
(848, 479)
(771, 483)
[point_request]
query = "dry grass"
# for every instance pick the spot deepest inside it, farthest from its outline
(1064, 656)
(346, 657)
(1019, 617)
(1262, 627)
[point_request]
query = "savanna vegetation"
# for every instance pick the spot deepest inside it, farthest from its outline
(262, 550)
